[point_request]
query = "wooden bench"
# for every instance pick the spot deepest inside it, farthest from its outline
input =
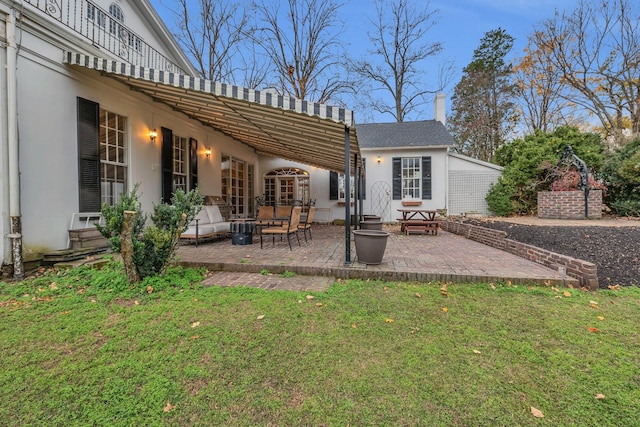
(428, 227)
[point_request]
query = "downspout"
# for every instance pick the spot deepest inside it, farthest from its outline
(12, 137)
(347, 199)
(446, 181)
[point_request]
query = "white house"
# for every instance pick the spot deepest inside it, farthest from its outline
(96, 96)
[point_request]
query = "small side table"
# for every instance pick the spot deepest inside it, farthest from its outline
(242, 230)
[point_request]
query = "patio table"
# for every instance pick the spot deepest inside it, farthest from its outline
(418, 219)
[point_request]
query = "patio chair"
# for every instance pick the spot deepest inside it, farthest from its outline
(264, 217)
(307, 224)
(288, 228)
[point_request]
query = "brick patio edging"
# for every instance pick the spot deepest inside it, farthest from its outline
(585, 272)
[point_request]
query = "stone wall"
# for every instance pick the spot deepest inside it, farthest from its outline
(585, 272)
(568, 204)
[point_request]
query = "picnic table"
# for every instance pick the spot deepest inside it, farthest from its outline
(418, 220)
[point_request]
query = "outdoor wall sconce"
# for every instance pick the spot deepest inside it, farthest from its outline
(207, 152)
(379, 159)
(153, 134)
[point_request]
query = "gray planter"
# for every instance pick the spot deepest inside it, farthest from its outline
(372, 218)
(371, 225)
(370, 245)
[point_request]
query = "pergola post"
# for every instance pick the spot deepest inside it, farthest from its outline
(347, 198)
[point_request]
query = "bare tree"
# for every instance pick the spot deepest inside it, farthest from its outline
(398, 52)
(213, 36)
(539, 86)
(303, 46)
(596, 48)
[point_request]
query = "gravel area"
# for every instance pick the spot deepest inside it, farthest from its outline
(615, 250)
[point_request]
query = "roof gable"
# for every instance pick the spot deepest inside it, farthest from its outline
(425, 133)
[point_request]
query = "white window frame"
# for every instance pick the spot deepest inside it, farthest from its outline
(113, 157)
(180, 163)
(411, 168)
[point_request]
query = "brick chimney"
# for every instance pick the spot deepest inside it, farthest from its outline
(439, 112)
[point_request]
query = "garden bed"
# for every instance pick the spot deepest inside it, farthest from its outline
(613, 249)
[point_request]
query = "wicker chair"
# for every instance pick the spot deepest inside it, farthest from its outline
(288, 228)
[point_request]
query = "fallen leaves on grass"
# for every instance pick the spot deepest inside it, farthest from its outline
(445, 309)
(566, 294)
(600, 318)
(594, 330)
(443, 290)
(537, 412)
(593, 304)
(599, 396)
(260, 317)
(195, 324)
(169, 407)
(477, 351)
(418, 295)
(388, 320)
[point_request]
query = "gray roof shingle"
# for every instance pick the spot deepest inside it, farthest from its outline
(425, 133)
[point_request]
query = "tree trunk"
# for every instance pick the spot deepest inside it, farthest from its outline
(126, 246)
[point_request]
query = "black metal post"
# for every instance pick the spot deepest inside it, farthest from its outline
(347, 198)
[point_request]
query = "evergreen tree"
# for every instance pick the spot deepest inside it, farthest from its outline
(483, 109)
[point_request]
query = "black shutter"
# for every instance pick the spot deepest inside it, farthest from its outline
(167, 164)
(426, 178)
(193, 164)
(397, 178)
(333, 185)
(89, 155)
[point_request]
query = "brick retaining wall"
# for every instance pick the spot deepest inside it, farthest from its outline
(568, 204)
(585, 272)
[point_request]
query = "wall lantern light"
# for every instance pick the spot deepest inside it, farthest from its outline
(207, 152)
(153, 134)
(379, 159)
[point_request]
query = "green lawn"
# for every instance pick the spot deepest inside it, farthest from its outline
(84, 348)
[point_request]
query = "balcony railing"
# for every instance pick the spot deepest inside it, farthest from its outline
(103, 29)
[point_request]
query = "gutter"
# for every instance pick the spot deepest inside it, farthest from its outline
(13, 147)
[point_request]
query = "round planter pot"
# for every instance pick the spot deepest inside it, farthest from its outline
(370, 245)
(371, 225)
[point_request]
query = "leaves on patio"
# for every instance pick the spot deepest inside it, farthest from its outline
(537, 412)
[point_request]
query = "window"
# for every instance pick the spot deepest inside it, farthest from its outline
(113, 157)
(96, 15)
(341, 187)
(118, 17)
(236, 178)
(411, 178)
(180, 157)
(284, 186)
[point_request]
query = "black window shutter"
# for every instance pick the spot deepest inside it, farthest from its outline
(397, 178)
(426, 178)
(89, 155)
(167, 164)
(333, 185)
(193, 164)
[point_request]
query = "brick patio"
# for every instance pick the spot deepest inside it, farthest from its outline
(445, 257)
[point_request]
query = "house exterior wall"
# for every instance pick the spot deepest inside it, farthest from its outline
(469, 182)
(47, 94)
(377, 174)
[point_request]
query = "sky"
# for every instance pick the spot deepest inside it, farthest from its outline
(460, 25)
